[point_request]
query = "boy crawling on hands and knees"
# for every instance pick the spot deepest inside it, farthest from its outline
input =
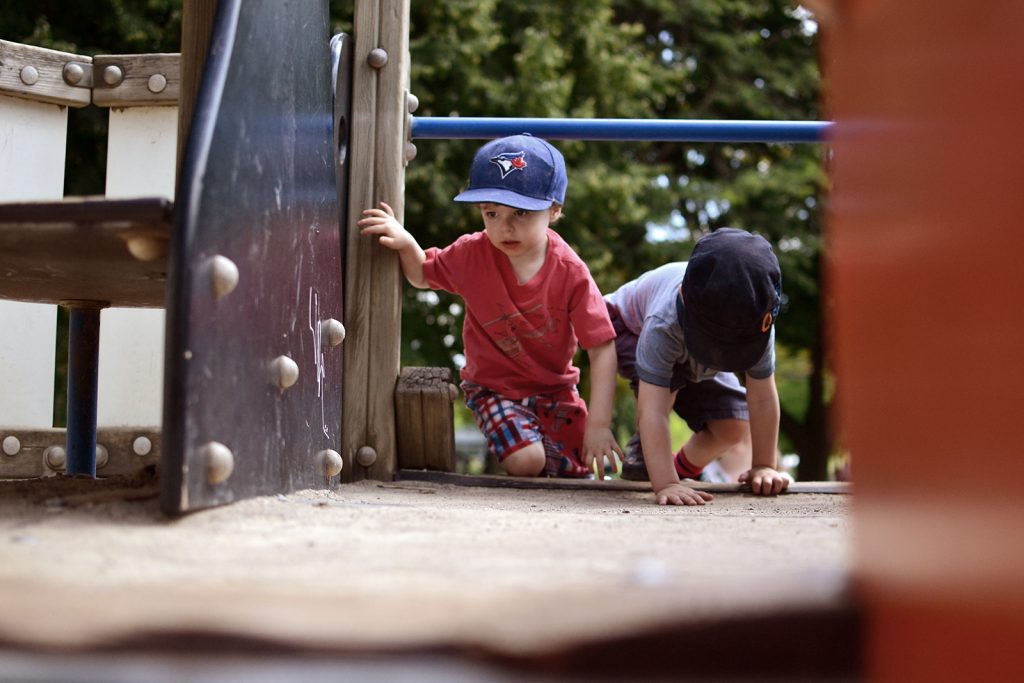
(682, 331)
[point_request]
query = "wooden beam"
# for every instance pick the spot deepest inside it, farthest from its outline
(504, 481)
(372, 276)
(424, 419)
(196, 28)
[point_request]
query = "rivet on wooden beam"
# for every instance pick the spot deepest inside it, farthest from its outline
(29, 75)
(377, 58)
(113, 75)
(157, 83)
(55, 457)
(366, 456)
(412, 102)
(410, 152)
(102, 456)
(142, 446)
(11, 445)
(73, 73)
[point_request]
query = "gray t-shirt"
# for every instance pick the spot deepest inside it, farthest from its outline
(647, 306)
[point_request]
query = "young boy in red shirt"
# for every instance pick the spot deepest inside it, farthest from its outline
(530, 300)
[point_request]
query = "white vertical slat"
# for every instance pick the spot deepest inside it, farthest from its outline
(141, 149)
(32, 144)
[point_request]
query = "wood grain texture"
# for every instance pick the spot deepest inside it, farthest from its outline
(359, 250)
(424, 418)
(49, 67)
(134, 90)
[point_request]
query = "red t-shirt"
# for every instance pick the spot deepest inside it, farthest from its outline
(520, 338)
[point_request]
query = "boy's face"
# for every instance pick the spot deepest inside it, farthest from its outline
(517, 232)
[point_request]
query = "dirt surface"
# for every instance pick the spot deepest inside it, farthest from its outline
(374, 566)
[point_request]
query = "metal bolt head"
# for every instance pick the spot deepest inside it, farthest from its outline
(377, 58)
(55, 457)
(366, 456)
(29, 75)
(113, 75)
(410, 152)
(332, 332)
(146, 249)
(157, 83)
(453, 392)
(102, 456)
(11, 445)
(223, 275)
(412, 102)
(142, 446)
(330, 462)
(73, 73)
(219, 461)
(284, 371)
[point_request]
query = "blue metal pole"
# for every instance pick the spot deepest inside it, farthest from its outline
(465, 127)
(83, 375)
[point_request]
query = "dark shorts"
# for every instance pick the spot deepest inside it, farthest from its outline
(558, 421)
(720, 398)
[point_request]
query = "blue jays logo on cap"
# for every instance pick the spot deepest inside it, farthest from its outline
(509, 161)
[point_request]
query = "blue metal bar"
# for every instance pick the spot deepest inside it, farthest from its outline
(83, 374)
(465, 127)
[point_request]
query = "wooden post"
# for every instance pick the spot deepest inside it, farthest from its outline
(196, 28)
(372, 275)
(423, 411)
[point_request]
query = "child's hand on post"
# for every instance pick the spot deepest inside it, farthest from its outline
(383, 222)
(764, 480)
(600, 446)
(678, 494)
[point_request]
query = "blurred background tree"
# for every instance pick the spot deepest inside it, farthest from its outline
(630, 206)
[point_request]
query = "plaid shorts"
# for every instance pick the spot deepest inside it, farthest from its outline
(557, 420)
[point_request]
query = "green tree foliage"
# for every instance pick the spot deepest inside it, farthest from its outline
(630, 206)
(634, 206)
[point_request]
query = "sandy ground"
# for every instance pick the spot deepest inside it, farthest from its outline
(378, 567)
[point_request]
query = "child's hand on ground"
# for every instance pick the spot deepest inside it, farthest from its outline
(599, 444)
(382, 222)
(765, 481)
(677, 494)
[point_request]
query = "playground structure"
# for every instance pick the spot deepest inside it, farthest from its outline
(938, 566)
(255, 345)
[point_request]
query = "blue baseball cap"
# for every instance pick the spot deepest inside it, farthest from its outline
(731, 295)
(519, 171)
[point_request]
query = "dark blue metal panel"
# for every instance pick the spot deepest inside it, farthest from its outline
(426, 127)
(257, 192)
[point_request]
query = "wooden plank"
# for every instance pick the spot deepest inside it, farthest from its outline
(85, 249)
(424, 419)
(147, 80)
(196, 28)
(386, 278)
(439, 421)
(503, 481)
(129, 449)
(360, 250)
(409, 420)
(37, 73)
